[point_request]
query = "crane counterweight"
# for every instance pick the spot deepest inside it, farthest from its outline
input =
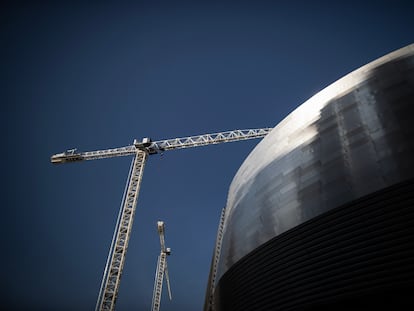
(67, 156)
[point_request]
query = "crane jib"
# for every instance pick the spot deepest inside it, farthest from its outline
(151, 147)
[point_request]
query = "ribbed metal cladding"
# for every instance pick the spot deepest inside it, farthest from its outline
(357, 256)
(354, 137)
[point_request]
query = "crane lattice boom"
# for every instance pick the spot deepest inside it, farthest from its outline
(140, 150)
(160, 146)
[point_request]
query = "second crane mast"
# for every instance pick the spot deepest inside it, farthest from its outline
(116, 259)
(162, 269)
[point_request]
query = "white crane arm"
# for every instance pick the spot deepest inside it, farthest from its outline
(73, 156)
(207, 139)
(162, 145)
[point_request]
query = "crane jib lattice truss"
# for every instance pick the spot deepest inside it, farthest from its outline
(140, 150)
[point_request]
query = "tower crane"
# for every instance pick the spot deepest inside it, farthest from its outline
(140, 150)
(161, 270)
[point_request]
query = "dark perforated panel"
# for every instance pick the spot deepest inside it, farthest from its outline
(357, 256)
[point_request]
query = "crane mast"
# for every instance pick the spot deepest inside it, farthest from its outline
(140, 150)
(113, 271)
(161, 270)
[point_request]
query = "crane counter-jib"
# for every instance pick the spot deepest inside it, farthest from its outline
(73, 156)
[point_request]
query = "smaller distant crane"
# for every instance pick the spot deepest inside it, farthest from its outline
(161, 270)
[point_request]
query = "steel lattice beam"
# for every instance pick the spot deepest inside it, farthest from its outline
(109, 292)
(162, 145)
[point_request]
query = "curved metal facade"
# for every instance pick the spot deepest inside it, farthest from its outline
(358, 256)
(350, 140)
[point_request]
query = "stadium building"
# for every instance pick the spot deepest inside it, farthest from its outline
(320, 216)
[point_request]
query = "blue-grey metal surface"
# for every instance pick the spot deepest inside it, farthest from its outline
(351, 139)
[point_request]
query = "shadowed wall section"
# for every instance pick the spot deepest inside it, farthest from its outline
(357, 256)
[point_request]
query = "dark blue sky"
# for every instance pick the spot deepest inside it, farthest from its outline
(98, 75)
